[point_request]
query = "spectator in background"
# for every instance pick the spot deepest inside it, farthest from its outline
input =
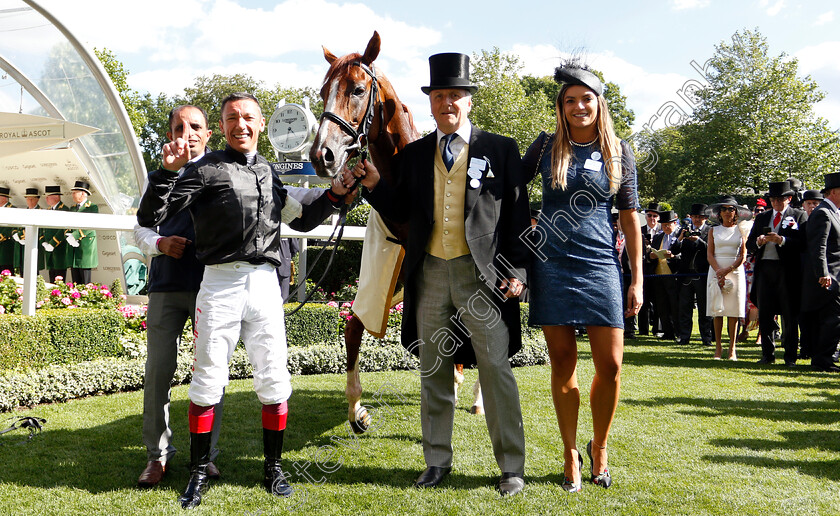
(692, 281)
(775, 240)
(8, 252)
(726, 282)
(648, 318)
(808, 319)
(820, 284)
(664, 258)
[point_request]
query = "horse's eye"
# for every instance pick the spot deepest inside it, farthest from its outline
(359, 91)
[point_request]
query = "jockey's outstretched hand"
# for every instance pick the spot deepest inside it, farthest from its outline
(176, 154)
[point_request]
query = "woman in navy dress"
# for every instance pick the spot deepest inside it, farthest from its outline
(576, 275)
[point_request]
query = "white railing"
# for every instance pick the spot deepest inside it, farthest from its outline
(32, 220)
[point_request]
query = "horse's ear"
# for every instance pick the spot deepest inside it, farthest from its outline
(329, 56)
(372, 50)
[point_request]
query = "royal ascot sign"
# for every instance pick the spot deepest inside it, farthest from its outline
(8, 134)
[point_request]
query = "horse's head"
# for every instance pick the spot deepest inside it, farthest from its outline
(347, 90)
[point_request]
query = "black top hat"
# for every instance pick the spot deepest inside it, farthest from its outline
(699, 209)
(812, 195)
(780, 189)
(32, 192)
(449, 70)
(4, 191)
(83, 186)
(573, 73)
(653, 206)
(52, 190)
(668, 216)
(831, 181)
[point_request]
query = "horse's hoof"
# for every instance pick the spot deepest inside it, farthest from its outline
(359, 427)
(475, 409)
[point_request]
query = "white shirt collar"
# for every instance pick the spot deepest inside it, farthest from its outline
(465, 131)
(832, 204)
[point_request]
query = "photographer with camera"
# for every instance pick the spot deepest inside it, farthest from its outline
(691, 283)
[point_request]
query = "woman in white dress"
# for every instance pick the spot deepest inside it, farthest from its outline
(726, 285)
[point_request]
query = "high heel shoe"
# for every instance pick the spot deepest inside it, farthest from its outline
(574, 487)
(604, 479)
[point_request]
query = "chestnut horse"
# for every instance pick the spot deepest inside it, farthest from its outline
(361, 108)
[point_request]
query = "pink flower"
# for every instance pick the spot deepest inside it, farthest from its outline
(69, 285)
(39, 304)
(143, 324)
(59, 278)
(346, 305)
(106, 292)
(332, 304)
(2, 309)
(90, 285)
(75, 295)
(66, 300)
(6, 272)
(399, 307)
(55, 292)
(18, 291)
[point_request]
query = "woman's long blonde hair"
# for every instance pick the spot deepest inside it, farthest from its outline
(561, 150)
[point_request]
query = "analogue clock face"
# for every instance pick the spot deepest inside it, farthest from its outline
(288, 128)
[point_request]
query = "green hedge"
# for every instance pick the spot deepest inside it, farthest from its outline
(314, 323)
(59, 336)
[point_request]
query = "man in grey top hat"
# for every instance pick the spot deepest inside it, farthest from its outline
(462, 195)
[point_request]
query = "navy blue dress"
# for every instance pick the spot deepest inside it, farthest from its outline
(576, 276)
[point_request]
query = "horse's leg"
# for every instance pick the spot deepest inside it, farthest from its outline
(459, 379)
(478, 404)
(356, 414)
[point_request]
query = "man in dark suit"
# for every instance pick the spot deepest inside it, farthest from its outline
(692, 281)
(664, 259)
(775, 240)
(461, 192)
(647, 314)
(809, 324)
(820, 281)
(55, 243)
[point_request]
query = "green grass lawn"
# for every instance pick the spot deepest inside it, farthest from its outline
(692, 436)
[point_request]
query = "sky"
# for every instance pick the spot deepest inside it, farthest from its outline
(651, 48)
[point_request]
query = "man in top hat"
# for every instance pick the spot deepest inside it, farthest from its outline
(461, 192)
(83, 255)
(663, 258)
(32, 197)
(55, 242)
(775, 240)
(808, 319)
(647, 314)
(693, 269)
(820, 292)
(7, 244)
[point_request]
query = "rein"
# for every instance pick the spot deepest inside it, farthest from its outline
(357, 134)
(367, 119)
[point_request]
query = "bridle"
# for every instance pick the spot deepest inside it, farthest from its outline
(367, 119)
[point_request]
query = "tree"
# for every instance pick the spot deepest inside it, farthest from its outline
(119, 77)
(755, 123)
(623, 117)
(501, 104)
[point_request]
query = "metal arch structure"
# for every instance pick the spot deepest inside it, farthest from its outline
(108, 89)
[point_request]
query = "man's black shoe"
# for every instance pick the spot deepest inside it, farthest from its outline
(828, 369)
(766, 361)
(431, 477)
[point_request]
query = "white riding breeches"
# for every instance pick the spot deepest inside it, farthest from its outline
(240, 300)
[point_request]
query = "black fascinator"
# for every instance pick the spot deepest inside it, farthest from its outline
(573, 72)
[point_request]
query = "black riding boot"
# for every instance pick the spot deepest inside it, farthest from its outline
(274, 482)
(199, 458)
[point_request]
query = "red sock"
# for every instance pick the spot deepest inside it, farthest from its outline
(274, 416)
(201, 418)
